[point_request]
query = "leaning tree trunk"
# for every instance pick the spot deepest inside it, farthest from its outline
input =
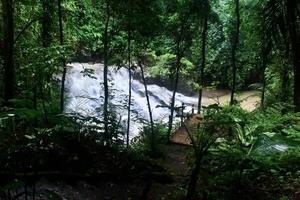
(201, 78)
(8, 46)
(172, 107)
(265, 50)
(149, 106)
(264, 86)
(61, 38)
(105, 70)
(234, 49)
(194, 178)
(295, 44)
(129, 82)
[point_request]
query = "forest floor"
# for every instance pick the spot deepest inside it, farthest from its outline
(174, 161)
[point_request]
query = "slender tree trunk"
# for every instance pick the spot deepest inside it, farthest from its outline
(285, 82)
(61, 39)
(105, 70)
(264, 54)
(173, 100)
(32, 21)
(234, 49)
(285, 73)
(194, 178)
(201, 78)
(148, 104)
(297, 80)
(8, 46)
(43, 103)
(297, 86)
(264, 85)
(129, 82)
(295, 44)
(34, 91)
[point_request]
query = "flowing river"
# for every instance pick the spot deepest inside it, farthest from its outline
(84, 85)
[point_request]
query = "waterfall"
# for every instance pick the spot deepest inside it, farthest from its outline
(85, 94)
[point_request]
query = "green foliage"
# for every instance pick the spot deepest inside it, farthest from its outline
(237, 175)
(164, 62)
(93, 128)
(258, 154)
(151, 144)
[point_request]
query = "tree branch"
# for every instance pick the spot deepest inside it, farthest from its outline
(25, 28)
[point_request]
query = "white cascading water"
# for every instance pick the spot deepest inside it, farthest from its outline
(85, 94)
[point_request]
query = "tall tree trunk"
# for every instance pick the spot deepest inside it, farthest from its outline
(201, 78)
(47, 22)
(61, 39)
(148, 104)
(129, 82)
(295, 44)
(105, 70)
(234, 49)
(8, 46)
(47, 39)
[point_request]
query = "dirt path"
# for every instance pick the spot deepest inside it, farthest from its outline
(176, 164)
(248, 99)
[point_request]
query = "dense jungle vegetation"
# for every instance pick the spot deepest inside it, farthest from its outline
(188, 46)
